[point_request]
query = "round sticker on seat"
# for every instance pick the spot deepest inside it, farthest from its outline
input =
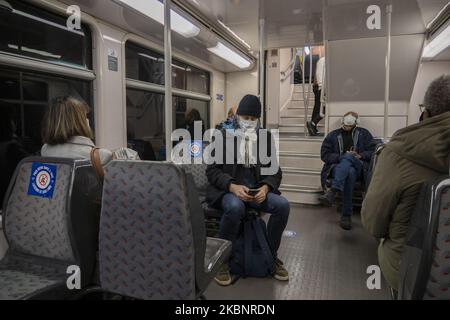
(42, 180)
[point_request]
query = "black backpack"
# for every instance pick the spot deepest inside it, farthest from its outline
(251, 255)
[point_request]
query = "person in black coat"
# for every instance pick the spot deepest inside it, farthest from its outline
(239, 185)
(347, 153)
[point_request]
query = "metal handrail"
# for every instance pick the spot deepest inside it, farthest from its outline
(306, 95)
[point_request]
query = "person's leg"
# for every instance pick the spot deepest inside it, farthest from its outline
(316, 118)
(233, 211)
(347, 194)
(341, 172)
(278, 207)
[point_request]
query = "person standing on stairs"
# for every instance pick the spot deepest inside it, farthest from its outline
(317, 88)
(347, 153)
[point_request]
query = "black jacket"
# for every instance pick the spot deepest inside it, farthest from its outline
(220, 176)
(333, 149)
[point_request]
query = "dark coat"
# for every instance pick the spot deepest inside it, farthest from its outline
(333, 148)
(220, 176)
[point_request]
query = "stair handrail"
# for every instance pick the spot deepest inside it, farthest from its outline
(306, 95)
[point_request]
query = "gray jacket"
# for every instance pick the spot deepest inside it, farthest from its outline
(76, 148)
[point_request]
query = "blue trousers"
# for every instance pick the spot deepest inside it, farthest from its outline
(234, 210)
(345, 176)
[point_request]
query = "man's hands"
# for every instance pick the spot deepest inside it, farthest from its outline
(261, 196)
(242, 193)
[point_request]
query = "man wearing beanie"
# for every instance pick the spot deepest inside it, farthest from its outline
(231, 184)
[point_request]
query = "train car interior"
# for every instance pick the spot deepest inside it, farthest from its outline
(355, 95)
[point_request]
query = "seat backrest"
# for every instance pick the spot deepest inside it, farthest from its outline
(146, 234)
(198, 173)
(425, 262)
(49, 212)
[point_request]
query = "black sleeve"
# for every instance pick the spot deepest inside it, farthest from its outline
(326, 153)
(369, 147)
(217, 178)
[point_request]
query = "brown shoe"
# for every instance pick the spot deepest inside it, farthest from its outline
(223, 277)
(280, 272)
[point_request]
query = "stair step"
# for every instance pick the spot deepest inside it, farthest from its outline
(300, 160)
(300, 145)
(285, 121)
(296, 128)
(301, 194)
(295, 177)
(300, 104)
(299, 97)
(298, 88)
(295, 112)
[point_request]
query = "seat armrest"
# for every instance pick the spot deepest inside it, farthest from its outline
(217, 252)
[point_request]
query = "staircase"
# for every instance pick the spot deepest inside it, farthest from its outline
(299, 153)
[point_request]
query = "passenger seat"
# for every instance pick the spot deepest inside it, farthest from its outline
(153, 243)
(50, 223)
(425, 262)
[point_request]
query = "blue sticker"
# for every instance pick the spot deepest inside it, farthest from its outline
(196, 148)
(42, 180)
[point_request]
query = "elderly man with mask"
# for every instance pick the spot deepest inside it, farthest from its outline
(347, 153)
(230, 185)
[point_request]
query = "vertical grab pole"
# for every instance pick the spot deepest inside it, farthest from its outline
(168, 78)
(304, 91)
(310, 79)
(388, 71)
(261, 69)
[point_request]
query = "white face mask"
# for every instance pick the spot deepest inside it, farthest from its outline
(87, 122)
(350, 121)
(248, 125)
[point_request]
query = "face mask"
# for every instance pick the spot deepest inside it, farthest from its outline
(350, 121)
(87, 122)
(248, 124)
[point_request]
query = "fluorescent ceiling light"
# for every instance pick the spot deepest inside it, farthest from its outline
(155, 10)
(234, 34)
(438, 44)
(227, 54)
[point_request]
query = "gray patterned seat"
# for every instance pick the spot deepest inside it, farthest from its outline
(47, 235)
(425, 265)
(152, 234)
(198, 173)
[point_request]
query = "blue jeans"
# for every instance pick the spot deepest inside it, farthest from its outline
(234, 210)
(345, 175)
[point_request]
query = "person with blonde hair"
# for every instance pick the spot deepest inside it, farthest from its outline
(66, 132)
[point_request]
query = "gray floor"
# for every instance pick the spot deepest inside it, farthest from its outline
(324, 262)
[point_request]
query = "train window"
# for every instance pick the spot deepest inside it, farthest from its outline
(145, 121)
(28, 94)
(147, 65)
(36, 33)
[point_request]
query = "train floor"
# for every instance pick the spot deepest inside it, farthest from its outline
(324, 262)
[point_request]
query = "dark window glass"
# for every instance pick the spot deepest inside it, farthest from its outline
(145, 121)
(34, 93)
(147, 65)
(36, 33)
